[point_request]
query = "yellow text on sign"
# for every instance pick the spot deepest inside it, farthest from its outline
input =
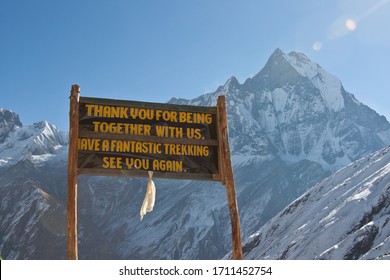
(120, 112)
(137, 163)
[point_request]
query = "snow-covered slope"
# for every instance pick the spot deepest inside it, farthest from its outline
(345, 216)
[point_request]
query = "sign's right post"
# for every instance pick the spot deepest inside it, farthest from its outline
(227, 177)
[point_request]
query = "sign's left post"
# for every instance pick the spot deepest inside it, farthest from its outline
(71, 218)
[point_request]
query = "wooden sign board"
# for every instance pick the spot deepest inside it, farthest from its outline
(129, 138)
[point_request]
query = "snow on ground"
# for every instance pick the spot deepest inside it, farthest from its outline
(346, 216)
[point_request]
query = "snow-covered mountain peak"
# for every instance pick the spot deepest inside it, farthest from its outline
(296, 110)
(296, 69)
(284, 70)
(232, 82)
(37, 141)
(8, 120)
(9, 116)
(48, 131)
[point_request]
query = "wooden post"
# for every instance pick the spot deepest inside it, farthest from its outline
(72, 173)
(227, 177)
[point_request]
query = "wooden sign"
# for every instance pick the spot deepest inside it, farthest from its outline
(129, 138)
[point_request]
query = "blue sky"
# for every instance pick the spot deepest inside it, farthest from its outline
(153, 50)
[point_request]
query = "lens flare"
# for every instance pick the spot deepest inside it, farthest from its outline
(317, 46)
(351, 24)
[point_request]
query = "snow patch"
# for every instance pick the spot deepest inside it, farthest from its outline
(279, 99)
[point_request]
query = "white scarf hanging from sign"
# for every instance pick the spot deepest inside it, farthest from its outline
(150, 197)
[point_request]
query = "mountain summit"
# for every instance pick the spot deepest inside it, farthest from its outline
(295, 68)
(36, 141)
(294, 109)
(8, 120)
